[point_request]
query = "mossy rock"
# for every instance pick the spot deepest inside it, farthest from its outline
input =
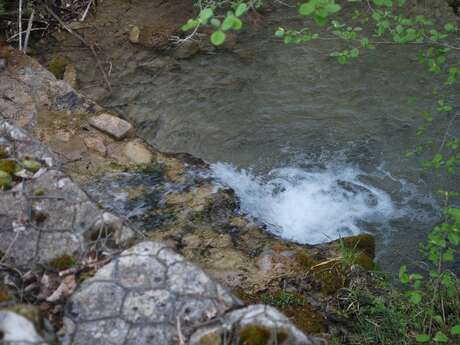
(304, 260)
(31, 165)
(363, 242)
(9, 166)
(57, 66)
(3, 153)
(254, 335)
(5, 180)
(63, 262)
(30, 312)
(331, 275)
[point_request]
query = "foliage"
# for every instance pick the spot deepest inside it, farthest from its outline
(221, 24)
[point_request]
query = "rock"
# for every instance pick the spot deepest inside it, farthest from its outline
(161, 63)
(23, 324)
(152, 36)
(15, 328)
(3, 65)
(148, 292)
(96, 144)
(137, 152)
(256, 324)
(70, 75)
(187, 50)
(134, 34)
(116, 127)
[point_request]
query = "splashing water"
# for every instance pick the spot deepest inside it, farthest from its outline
(308, 207)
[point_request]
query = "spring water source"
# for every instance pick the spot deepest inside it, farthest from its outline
(313, 149)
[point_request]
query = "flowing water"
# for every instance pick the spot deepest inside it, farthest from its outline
(314, 150)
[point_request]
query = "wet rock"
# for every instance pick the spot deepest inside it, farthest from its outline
(142, 292)
(187, 49)
(112, 125)
(165, 63)
(96, 144)
(256, 324)
(137, 152)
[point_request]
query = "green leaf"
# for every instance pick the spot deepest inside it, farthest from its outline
(237, 23)
(422, 338)
(241, 9)
(333, 8)
(217, 38)
(206, 14)
(455, 330)
(449, 27)
(415, 297)
(307, 8)
(228, 23)
(440, 337)
(215, 22)
(279, 33)
(403, 276)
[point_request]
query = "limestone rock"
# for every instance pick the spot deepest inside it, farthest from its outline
(116, 127)
(148, 292)
(256, 324)
(96, 144)
(137, 152)
(23, 324)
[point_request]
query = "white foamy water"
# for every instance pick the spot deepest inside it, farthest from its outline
(308, 207)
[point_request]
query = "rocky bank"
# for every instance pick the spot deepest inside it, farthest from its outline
(171, 261)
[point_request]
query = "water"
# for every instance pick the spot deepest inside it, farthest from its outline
(315, 150)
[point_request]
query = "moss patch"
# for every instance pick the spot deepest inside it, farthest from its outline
(254, 335)
(9, 166)
(57, 66)
(5, 180)
(364, 243)
(3, 153)
(63, 262)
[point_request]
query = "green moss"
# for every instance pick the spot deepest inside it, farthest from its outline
(39, 191)
(254, 335)
(281, 336)
(63, 262)
(57, 66)
(5, 180)
(32, 166)
(3, 153)
(9, 166)
(331, 276)
(363, 242)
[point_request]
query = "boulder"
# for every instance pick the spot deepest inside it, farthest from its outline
(112, 125)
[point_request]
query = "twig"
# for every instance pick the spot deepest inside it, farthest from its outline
(179, 331)
(83, 17)
(29, 28)
(20, 25)
(81, 39)
(19, 33)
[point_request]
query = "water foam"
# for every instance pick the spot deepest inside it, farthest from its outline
(308, 206)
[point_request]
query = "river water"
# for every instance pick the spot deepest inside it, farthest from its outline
(315, 150)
